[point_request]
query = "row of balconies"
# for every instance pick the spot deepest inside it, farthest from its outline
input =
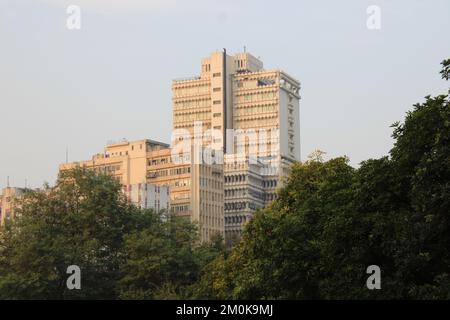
(236, 220)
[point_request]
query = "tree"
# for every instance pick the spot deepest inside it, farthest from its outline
(81, 221)
(162, 261)
(156, 257)
(421, 157)
(122, 251)
(330, 222)
(445, 72)
(279, 255)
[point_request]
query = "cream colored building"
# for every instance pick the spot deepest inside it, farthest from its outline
(235, 92)
(251, 114)
(126, 161)
(195, 190)
(8, 202)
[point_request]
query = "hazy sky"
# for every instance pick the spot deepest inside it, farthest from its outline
(112, 79)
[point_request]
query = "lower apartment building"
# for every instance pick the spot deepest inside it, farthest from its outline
(196, 190)
(244, 193)
(152, 179)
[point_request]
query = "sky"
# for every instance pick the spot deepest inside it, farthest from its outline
(78, 89)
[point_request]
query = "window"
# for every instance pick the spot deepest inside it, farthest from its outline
(216, 115)
(216, 102)
(217, 89)
(217, 74)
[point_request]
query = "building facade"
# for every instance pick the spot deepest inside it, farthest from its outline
(151, 178)
(249, 114)
(196, 189)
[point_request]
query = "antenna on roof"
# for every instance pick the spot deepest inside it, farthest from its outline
(7, 181)
(26, 184)
(245, 49)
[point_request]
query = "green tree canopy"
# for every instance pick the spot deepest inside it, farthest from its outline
(85, 220)
(330, 222)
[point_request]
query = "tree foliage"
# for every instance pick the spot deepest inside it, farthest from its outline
(122, 251)
(331, 222)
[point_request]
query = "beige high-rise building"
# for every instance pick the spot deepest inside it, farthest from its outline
(250, 114)
(147, 172)
(235, 92)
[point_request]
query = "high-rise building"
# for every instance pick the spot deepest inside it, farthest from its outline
(250, 114)
(152, 179)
